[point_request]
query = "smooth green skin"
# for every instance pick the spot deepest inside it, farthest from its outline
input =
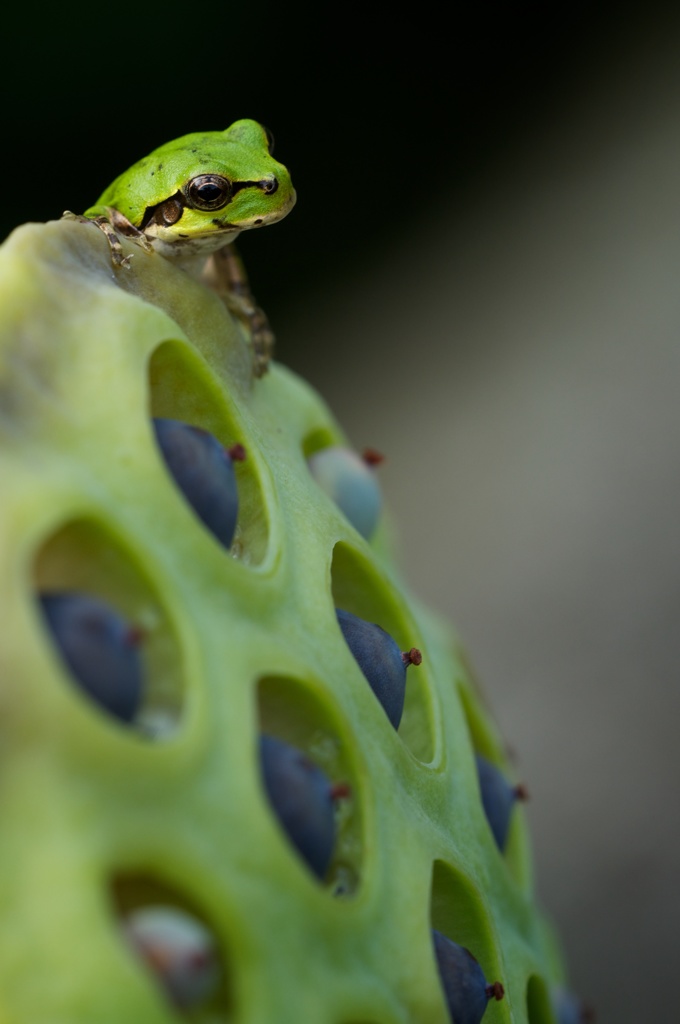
(240, 154)
(235, 642)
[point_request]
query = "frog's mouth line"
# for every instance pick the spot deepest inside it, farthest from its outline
(169, 212)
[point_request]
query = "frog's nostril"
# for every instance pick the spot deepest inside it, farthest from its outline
(269, 186)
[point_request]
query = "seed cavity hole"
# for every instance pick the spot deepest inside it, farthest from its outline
(108, 628)
(539, 1007)
(385, 647)
(464, 954)
(501, 792)
(174, 943)
(310, 780)
(181, 388)
(348, 478)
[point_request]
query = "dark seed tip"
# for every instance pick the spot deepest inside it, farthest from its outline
(521, 792)
(372, 457)
(495, 991)
(412, 657)
(200, 959)
(135, 636)
(340, 791)
(237, 453)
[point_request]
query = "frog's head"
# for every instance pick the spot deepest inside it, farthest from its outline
(198, 193)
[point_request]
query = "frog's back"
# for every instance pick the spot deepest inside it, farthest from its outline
(239, 153)
(157, 176)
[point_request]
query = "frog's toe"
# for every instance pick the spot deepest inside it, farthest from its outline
(119, 260)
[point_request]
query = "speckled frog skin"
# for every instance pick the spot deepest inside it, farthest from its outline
(108, 826)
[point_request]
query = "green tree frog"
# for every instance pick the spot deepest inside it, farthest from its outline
(189, 200)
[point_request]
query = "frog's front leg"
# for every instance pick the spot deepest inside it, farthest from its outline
(112, 223)
(226, 274)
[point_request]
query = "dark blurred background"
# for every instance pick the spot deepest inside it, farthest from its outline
(480, 276)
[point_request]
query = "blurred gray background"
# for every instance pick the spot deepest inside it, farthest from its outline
(480, 276)
(517, 357)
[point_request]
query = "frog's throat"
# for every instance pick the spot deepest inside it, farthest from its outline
(177, 247)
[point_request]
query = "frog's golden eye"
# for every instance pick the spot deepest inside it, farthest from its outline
(208, 192)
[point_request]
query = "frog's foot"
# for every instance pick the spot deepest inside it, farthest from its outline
(117, 257)
(262, 339)
(111, 224)
(225, 274)
(256, 322)
(263, 345)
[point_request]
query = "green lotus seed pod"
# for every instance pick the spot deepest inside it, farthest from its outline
(104, 819)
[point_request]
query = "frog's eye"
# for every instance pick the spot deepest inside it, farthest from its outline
(208, 192)
(270, 139)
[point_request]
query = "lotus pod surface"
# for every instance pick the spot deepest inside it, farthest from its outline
(103, 819)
